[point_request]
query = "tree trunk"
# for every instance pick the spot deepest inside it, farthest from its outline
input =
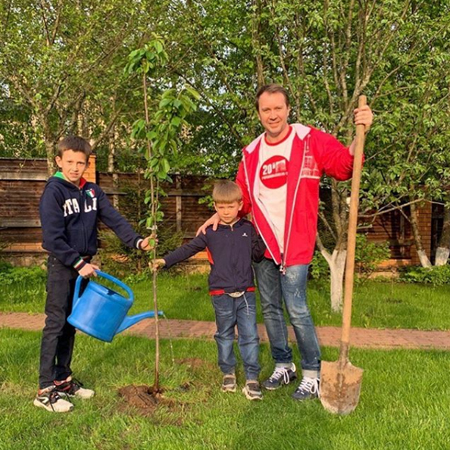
(337, 270)
(256, 26)
(423, 258)
(111, 168)
(49, 150)
(443, 247)
(336, 262)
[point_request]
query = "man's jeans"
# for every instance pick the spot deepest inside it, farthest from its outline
(273, 287)
(58, 336)
(241, 311)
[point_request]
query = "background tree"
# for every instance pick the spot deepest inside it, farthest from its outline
(326, 54)
(61, 63)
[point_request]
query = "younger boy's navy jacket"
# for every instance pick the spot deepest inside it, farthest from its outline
(231, 250)
(69, 218)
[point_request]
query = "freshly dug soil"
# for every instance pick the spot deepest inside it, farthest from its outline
(143, 399)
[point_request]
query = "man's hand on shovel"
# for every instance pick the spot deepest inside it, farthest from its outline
(363, 115)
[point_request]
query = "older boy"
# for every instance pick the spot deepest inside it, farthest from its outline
(69, 209)
(231, 285)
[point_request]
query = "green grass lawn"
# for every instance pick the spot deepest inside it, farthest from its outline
(404, 402)
(375, 305)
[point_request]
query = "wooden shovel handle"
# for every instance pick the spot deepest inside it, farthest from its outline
(351, 239)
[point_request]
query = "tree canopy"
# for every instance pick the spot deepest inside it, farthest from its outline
(61, 70)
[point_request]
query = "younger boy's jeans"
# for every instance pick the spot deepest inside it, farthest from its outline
(241, 311)
(274, 287)
(58, 336)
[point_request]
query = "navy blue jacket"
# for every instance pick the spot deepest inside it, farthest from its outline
(69, 219)
(231, 250)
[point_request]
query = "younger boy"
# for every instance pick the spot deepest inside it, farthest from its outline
(69, 210)
(231, 285)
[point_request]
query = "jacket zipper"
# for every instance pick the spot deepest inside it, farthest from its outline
(288, 238)
(82, 222)
(233, 253)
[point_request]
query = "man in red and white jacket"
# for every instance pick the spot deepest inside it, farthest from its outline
(279, 176)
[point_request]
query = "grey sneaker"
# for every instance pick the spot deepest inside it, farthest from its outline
(280, 376)
(252, 390)
(73, 388)
(50, 400)
(229, 383)
(308, 388)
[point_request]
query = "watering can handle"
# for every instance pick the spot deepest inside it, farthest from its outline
(116, 281)
(76, 297)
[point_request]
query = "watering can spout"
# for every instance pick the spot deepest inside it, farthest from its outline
(131, 320)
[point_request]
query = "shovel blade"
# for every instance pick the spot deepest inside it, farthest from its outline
(340, 386)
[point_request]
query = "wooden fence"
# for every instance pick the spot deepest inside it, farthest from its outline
(22, 182)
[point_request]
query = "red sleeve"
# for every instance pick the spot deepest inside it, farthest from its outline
(332, 156)
(242, 182)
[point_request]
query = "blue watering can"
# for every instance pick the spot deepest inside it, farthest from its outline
(102, 312)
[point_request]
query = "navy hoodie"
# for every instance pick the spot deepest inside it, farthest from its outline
(231, 250)
(69, 218)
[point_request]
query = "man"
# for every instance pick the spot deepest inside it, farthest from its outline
(279, 176)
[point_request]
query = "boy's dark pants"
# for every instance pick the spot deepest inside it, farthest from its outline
(58, 336)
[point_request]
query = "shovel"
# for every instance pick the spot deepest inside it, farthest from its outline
(340, 381)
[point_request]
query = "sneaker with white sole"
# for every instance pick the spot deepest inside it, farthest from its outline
(252, 390)
(308, 388)
(280, 376)
(229, 383)
(73, 388)
(49, 399)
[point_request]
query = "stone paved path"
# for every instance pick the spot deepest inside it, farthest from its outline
(328, 336)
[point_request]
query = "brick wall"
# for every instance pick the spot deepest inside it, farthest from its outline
(394, 228)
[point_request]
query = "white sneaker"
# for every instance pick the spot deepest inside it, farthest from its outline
(73, 388)
(50, 400)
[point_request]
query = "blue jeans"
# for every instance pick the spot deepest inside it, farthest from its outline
(274, 287)
(239, 311)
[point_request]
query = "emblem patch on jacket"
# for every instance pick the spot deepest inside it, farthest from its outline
(90, 193)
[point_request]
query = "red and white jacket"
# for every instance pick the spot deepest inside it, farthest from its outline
(313, 153)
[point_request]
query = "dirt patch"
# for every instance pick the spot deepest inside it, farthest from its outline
(144, 400)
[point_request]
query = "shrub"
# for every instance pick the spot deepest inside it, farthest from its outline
(21, 275)
(367, 257)
(437, 276)
(319, 268)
